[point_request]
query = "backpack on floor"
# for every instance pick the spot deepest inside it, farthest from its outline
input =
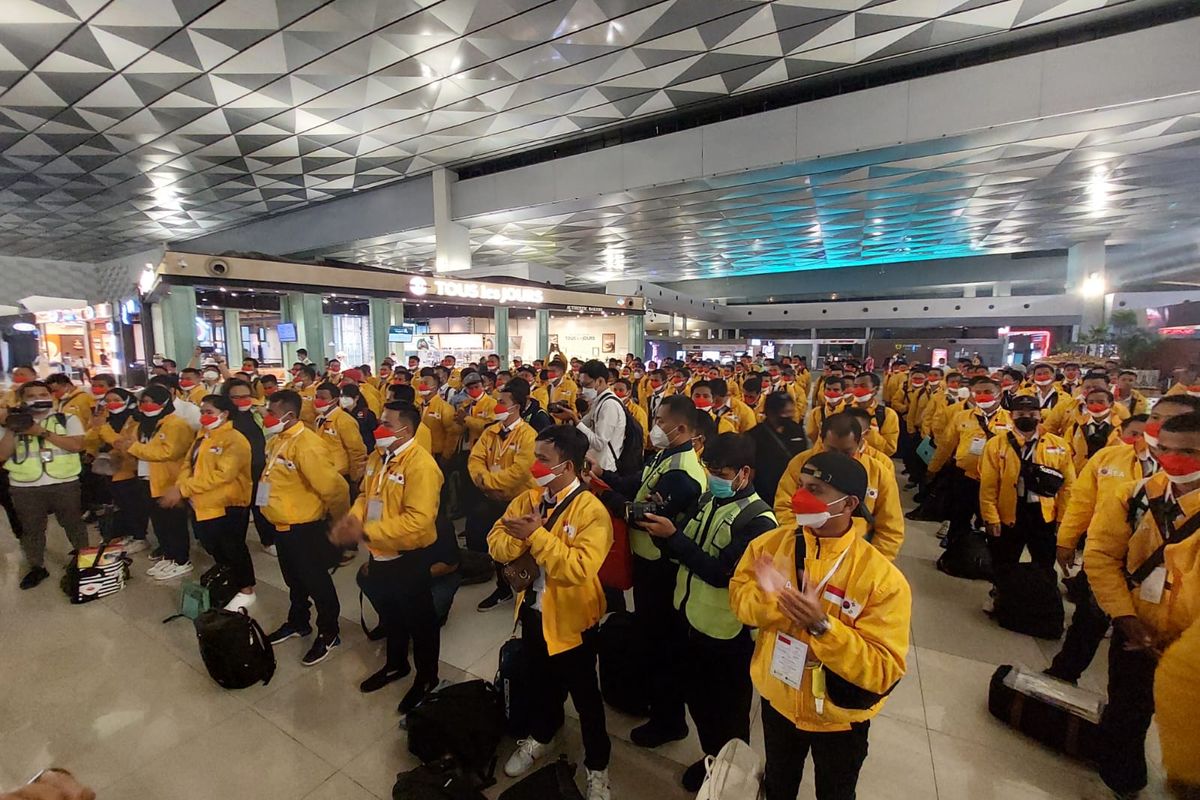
(218, 580)
(235, 650)
(552, 782)
(1063, 717)
(439, 780)
(967, 556)
(623, 664)
(735, 774)
(475, 567)
(1028, 601)
(516, 690)
(464, 721)
(214, 590)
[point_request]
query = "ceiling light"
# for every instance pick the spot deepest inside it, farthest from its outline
(1093, 286)
(24, 327)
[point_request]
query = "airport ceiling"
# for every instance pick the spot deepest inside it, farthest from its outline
(125, 123)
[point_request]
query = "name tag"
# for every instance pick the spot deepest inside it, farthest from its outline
(143, 469)
(374, 509)
(262, 497)
(1152, 588)
(977, 444)
(787, 661)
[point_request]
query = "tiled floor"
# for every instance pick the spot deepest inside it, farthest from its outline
(123, 700)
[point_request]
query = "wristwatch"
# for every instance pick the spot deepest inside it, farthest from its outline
(819, 629)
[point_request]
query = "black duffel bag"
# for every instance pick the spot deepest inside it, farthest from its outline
(1058, 728)
(1028, 601)
(464, 721)
(967, 556)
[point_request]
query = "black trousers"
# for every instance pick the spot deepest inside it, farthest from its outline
(963, 501)
(553, 677)
(1030, 530)
(305, 558)
(171, 530)
(1089, 623)
(14, 520)
(132, 498)
(225, 540)
(717, 687)
(1127, 716)
(266, 531)
(654, 611)
(401, 590)
(837, 758)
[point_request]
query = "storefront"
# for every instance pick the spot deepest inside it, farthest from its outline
(78, 340)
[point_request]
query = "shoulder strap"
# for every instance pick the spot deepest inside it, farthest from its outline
(561, 507)
(801, 552)
(988, 432)
(755, 508)
(1170, 537)
(880, 415)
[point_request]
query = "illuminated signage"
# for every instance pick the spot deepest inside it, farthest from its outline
(468, 290)
(85, 314)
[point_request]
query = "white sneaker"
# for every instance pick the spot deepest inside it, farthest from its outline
(240, 600)
(521, 761)
(158, 567)
(134, 545)
(172, 570)
(597, 785)
(271, 551)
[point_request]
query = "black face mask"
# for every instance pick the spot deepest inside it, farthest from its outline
(41, 405)
(1026, 424)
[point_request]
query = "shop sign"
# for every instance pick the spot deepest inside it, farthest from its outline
(587, 309)
(85, 314)
(470, 290)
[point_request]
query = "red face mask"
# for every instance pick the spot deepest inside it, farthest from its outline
(1177, 464)
(500, 411)
(150, 407)
(805, 502)
(862, 391)
(270, 420)
(99, 391)
(187, 384)
(19, 379)
(115, 407)
(702, 403)
(983, 399)
(475, 392)
(656, 383)
(540, 470)
(621, 393)
(833, 397)
(1154, 428)
(918, 381)
(321, 405)
(383, 432)
(1129, 439)
(208, 419)
(243, 403)
(1097, 408)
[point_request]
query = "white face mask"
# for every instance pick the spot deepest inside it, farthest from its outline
(425, 392)
(659, 438)
(347, 403)
(588, 393)
(276, 429)
(1151, 441)
(1180, 479)
(212, 377)
(549, 478)
(385, 442)
(962, 393)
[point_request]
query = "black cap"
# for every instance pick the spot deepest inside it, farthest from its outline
(1024, 402)
(840, 471)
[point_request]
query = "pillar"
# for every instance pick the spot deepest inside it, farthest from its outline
(397, 311)
(543, 332)
(306, 312)
(452, 241)
(637, 335)
(380, 312)
(814, 350)
(233, 339)
(1086, 277)
(178, 310)
(684, 329)
(500, 314)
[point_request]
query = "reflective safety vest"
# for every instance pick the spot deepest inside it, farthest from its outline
(706, 606)
(32, 456)
(686, 461)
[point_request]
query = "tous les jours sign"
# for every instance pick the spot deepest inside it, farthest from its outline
(492, 292)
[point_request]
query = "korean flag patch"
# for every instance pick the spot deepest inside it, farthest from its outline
(838, 597)
(569, 530)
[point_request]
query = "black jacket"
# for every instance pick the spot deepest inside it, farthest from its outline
(245, 423)
(773, 451)
(536, 416)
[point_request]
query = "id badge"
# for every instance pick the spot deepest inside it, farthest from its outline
(1152, 588)
(47, 455)
(143, 469)
(263, 497)
(787, 661)
(374, 509)
(977, 446)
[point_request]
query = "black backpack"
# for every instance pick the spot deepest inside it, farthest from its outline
(623, 663)
(439, 780)
(630, 460)
(464, 721)
(1028, 601)
(218, 580)
(235, 650)
(967, 556)
(516, 688)
(552, 782)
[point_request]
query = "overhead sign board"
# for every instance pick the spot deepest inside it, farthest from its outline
(473, 290)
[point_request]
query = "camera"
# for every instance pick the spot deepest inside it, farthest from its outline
(19, 419)
(636, 512)
(556, 407)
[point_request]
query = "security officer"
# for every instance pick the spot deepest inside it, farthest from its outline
(833, 618)
(716, 645)
(1025, 477)
(394, 515)
(1143, 562)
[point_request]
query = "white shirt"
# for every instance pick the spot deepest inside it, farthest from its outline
(189, 412)
(604, 425)
(74, 428)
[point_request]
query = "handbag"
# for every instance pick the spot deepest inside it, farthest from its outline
(523, 571)
(96, 572)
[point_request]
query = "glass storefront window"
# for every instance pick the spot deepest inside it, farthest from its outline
(352, 340)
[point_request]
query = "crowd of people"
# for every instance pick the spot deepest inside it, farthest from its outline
(758, 504)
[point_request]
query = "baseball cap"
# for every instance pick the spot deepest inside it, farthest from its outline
(840, 471)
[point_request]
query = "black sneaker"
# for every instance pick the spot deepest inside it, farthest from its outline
(34, 577)
(418, 692)
(494, 599)
(320, 650)
(287, 631)
(693, 776)
(382, 678)
(651, 734)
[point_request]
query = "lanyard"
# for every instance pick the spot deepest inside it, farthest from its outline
(272, 456)
(502, 444)
(377, 489)
(828, 575)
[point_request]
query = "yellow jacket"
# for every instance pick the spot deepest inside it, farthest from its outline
(438, 415)
(308, 414)
(1103, 474)
(815, 418)
(479, 415)
(639, 415)
(893, 389)
(216, 472)
(373, 397)
(1076, 437)
(1113, 550)
(565, 393)
(962, 434)
(918, 399)
(1177, 707)
(882, 500)
(644, 402)
(1135, 404)
(165, 451)
(339, 431)
(937, 413)
(79, 403)
(502, 465)
(125, 465)
(886, 437)
(305, 486)
(409, 484)
(867, 648)
(1177, 388)
(1000, 469)
(569, 556)
(197, 393)
(424, 438)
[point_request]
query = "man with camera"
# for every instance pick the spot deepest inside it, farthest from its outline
(40, 450)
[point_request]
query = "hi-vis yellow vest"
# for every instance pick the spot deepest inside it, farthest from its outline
(706, 606)
(26, 464)
(686, 461)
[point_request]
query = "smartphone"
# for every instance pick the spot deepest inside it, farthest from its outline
(208, 351)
